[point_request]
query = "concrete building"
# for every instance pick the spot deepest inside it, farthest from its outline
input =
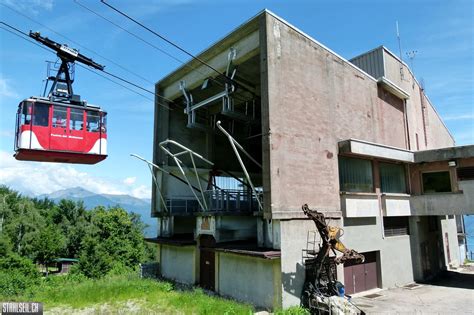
(356, 139)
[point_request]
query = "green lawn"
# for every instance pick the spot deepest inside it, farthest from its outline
(127, 294)
(63, 294)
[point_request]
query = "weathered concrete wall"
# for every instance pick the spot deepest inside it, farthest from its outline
(313, 105)
(178, 263)
(441, 204)
(467, 186)
(450, 240)
(423, 121)
(365, 235)
(293, 240)
(257, 281)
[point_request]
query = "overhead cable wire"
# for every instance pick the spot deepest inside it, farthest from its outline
(185, 64)
(122, 85)
(163, 38)
(76, 43)
(228, 79)
(27, 38)
(127, 31)
(18, 35)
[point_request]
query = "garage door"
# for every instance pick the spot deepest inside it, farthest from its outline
(361, 277)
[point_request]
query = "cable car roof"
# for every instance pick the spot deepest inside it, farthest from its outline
(46, 100)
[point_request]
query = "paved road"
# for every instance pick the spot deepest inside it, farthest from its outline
(451, 293)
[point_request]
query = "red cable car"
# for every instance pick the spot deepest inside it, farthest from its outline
(48, 131)
(61, 127)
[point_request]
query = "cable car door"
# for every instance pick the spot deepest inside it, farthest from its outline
(59, 129)
(76, 130)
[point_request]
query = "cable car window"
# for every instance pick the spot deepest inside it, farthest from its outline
(26, 113)
(59, 117)
(93, 121)
(41, 115)
(103, 124)
(76, 122)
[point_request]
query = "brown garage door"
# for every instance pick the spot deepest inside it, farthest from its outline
(361, 277)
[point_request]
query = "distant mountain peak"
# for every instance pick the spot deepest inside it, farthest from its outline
(75, 192)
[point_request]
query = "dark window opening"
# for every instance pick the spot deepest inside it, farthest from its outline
(394, 226)
(41, 115)
(392, 178)
(436, 182)
(466, 173)
(355, 175)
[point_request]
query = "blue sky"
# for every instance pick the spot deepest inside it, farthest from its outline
(442, 33)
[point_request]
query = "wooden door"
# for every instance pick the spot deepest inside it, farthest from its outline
(361, 277)
(207, 269)
(207, 262)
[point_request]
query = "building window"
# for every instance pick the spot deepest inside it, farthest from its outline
(392, 178)
(394, 226)
(355, 175)
(436, 182)
(466, 173)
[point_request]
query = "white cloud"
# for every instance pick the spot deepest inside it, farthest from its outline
(129, 180)
(459, 117)
(6, 90)
(142, 191)
(30, 6)
(44, 178)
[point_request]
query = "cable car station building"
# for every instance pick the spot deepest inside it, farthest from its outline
(292, 122)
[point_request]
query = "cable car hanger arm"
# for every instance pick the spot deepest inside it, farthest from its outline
(64, 51)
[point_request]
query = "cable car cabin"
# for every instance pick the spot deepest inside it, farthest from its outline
(49, 131)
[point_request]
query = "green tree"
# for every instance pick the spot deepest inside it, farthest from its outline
(74, 221)
(114, 237)
(48, 246)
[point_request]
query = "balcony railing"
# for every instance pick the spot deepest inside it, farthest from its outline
(220, 201)
(182, 205)
(231, 200)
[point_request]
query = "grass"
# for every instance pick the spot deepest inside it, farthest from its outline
(117, 292)
(127, 294)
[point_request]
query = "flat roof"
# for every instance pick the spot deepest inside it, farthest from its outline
(244, 28)
(443, 154)
(377, 150)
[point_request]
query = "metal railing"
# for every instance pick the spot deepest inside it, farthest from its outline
(239, 201)
(182, 205)
(232, 200)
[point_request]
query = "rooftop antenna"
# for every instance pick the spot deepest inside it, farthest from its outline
(411, 55)
(400, 51)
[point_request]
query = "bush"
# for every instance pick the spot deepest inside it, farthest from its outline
(13, 284)
(17, 274)
(17, 264)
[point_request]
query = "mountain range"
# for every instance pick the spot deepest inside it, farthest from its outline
(91, 200)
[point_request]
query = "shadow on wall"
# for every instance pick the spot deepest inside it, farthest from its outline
(293, 281)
